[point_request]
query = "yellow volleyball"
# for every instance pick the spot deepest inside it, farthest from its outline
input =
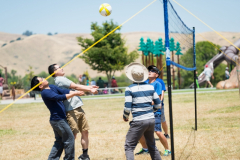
(105, 9)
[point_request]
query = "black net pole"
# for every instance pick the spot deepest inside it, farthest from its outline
(195, 79)
(165, 7)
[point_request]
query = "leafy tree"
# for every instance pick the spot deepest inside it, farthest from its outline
(27, 33)
(204, 52)
(172, 46)
(49, 34)
(110, 54)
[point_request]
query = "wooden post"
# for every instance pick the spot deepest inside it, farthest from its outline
(161, 66)
(145, 61)
(152, 59)
(179, 76)
(148, 59)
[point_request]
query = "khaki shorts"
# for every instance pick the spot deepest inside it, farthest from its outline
(77, 120)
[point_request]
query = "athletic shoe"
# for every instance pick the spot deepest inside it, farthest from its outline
(83, 157)
(142, 152)
(167, 153)
(167, 136)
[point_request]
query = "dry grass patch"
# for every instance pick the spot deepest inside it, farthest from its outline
(25, 132)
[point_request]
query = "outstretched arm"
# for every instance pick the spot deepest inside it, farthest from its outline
(74, 93)
(92, 89)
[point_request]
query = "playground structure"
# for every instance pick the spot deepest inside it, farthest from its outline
(229, 54)
(153, 55)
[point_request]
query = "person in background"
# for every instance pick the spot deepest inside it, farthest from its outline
(84, 80)
(208, 74)
(114, 85)
(227, 75)
(1, 85)
(114, 82)
(87, 83)
(100, 83)
(93, 83)
(80, 79)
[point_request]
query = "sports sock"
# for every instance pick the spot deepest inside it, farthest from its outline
(145, 149)
(85, 151)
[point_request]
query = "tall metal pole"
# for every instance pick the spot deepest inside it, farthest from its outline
(165, 3)
(195, 78)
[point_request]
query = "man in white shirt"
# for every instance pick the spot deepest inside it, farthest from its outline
(227, 75)
(208, 74)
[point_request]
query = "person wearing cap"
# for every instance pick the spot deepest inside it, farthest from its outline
(154, 73)
(227, 75)
(163, 120)
(208, 74)
(139, 97)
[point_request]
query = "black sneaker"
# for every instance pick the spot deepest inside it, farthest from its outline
(83, 157)
(167, 136)
(142, 152)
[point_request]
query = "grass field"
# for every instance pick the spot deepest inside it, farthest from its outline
(25, 132)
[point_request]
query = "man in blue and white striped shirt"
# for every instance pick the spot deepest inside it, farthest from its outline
(139, 98)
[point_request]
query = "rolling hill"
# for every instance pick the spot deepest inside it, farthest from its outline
(39, 51)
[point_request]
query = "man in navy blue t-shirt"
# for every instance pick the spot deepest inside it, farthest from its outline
(53, 98)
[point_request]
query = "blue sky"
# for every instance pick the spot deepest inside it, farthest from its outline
(75, 16)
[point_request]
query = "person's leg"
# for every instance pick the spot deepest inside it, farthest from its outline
(158, 131)
(83, 128)
(164, 123)
(67, 140)
(143, 142)
(144, 149)
(162, 139)
(57, 148)
(135, 132)
(84, 139)
(72, 121)
(150, 140)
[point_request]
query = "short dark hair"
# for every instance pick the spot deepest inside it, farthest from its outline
(100, 78)
(51, 69)
(34, 82)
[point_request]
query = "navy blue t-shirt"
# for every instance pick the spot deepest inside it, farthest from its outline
(53, 99)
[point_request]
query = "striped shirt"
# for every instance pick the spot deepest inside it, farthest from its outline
(138, 100)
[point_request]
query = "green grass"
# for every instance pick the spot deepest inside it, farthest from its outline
(226, 110)
(4, 132)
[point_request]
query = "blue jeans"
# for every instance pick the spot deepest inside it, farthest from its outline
(64, 139)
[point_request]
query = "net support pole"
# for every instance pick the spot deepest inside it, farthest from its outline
(195, 78)
(165, 4)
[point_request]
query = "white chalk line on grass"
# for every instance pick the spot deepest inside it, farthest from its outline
(39, 100)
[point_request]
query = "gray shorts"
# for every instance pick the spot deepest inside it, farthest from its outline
(162, 114)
